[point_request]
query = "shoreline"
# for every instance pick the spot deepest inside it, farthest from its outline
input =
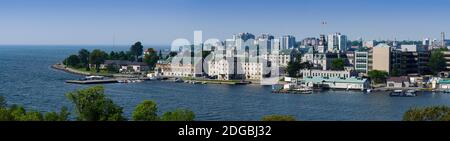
(61, 67)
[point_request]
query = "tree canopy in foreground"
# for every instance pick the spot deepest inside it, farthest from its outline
(278, 118)
(434, 113)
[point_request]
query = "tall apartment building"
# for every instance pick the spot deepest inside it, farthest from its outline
(287, 42)
(337, 43)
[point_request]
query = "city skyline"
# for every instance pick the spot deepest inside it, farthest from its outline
(160, 22)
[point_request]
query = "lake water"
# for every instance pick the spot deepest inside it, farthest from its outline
(27, 79)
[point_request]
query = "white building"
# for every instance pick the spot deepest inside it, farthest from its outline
(282, 58)
(327, 73)
(287, 42)
(337, 43)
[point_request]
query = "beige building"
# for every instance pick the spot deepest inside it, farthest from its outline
(381, 58)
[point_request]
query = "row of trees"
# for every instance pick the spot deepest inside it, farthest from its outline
(433, 113)
(91, 104)
(19, 113)
(84, 58)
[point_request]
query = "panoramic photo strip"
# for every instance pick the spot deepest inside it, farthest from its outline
(214, 69)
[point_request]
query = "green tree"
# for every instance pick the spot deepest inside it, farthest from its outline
(83, 55)
(97, 57)
(72, 61)
(434, 113)
(378, 76)
(437, 62)
(151, 58)
(278, 118)
(137, 49)
(63, 115)
(338, 64)
(179, 115)
(293, 68)
(146, 111)
(91, 104)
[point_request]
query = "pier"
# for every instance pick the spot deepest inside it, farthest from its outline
(92, 81)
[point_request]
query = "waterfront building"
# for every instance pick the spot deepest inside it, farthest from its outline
(287, 42)
(410, 60)
(318, 60)
(397, 82)
(351, 83)
(125, 66)
(328, 73)
(167, 68)
(380, 56)
(337, 43)
(281, 58)
(444, 84)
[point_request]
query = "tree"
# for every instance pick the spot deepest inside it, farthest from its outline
(97, 57)
(72, 61)
(293, 68)
(137, 49)
(151, 58)
(434, 113)
(63, 115)
(146, 111)
(83, 55)
(378, 76)
(437, 62)
(278, 118)
(91, 104)
(338, 64)
(179, 115)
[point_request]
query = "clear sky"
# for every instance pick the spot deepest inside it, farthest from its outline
(159, 22)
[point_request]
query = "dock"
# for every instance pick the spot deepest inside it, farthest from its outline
(92, 81)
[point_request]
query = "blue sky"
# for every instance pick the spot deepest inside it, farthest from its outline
(159, 22)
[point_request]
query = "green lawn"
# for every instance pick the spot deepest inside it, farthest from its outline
(93, 71)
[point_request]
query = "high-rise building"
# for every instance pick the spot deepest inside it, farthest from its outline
(337, 43)
(443, 44)
(243, 40)
(276, 45)
(287, 42)
(380, 58)
(265, 42)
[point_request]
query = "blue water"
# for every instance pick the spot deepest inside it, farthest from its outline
(27, 79)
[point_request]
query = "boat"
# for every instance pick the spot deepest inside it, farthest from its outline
(396, 93)
(447, 91)
(304, 90)
(369, 90)
(410, 93)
